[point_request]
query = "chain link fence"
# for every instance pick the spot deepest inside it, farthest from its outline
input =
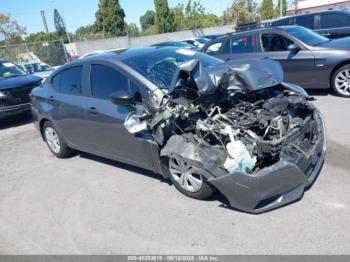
(50, 52)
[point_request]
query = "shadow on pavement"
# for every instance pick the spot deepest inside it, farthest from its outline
(320, 92)
(134, 169)
(14, 121)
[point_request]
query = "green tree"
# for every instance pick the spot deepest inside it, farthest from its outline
(240, 12)
(110, 19)
(178, 16)
(42, 36)
(59, 23)
(266, 11)
(284, 8)
(164, 21)
(133, 30)
(209, 20)
(194, 14)
(147, 20)
(10, 31)
(85, 33)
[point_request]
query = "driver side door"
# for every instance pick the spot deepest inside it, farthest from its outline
(106, 134)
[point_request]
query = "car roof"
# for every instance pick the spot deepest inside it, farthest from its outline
(3, 61)
(167, 42)
(313, 13)
(260, 29)
(120, 55)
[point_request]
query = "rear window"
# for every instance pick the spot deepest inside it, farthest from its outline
(306, 21)
(334, 20)
(287, 21)
(68, 81)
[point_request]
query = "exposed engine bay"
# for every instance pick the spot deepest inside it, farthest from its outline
(232, 119)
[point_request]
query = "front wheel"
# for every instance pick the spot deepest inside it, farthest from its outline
(340, 81)
(188, 180)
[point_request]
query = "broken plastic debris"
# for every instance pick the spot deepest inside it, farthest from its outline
(238, 158)
(134, 125)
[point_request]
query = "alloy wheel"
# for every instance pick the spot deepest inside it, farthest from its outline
(52, 139)
(185, 175)
(342, 82)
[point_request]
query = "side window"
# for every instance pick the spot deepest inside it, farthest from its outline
(214, 49)
(55, 82)
(243, 44)
(69, 81)
(106, 80)
(287, 21)
(334, 20)
(274, 42)
(306, 21)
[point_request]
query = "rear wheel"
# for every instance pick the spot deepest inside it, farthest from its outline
(54, 141)
(341, 81)
(188, 180)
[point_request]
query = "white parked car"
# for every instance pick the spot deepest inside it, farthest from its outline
(40, 69)
(198, 42)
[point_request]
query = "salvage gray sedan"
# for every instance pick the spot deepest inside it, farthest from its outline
(206, 125)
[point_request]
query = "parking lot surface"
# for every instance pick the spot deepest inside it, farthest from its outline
(90, 205)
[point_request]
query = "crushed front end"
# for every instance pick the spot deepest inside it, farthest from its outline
(259, 141)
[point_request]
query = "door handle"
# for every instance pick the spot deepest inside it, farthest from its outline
(228, 59)
(92, 110)
(266, 57)
(51, 98)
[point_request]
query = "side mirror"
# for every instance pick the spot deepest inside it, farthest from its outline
(293, 47)
(121, 98)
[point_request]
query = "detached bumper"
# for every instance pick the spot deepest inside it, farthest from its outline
(279, 184)
(13, 110)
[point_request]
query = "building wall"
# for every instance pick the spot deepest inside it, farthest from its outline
(142, 41)
(309, 6)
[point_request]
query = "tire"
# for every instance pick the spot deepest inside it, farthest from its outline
(202, 192)
(340, 81)
(55, 142)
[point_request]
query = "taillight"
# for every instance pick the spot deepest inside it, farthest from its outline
(30, 96)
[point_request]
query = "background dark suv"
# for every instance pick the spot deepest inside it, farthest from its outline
(333, 23)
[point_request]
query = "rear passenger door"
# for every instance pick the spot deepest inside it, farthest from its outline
(65, 104)
(106, 134)
(239, 47)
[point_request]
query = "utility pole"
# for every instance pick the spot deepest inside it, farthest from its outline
(281, 8)
(44, 21)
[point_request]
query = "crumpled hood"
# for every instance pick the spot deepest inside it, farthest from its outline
(20, 81)
(246, 75)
